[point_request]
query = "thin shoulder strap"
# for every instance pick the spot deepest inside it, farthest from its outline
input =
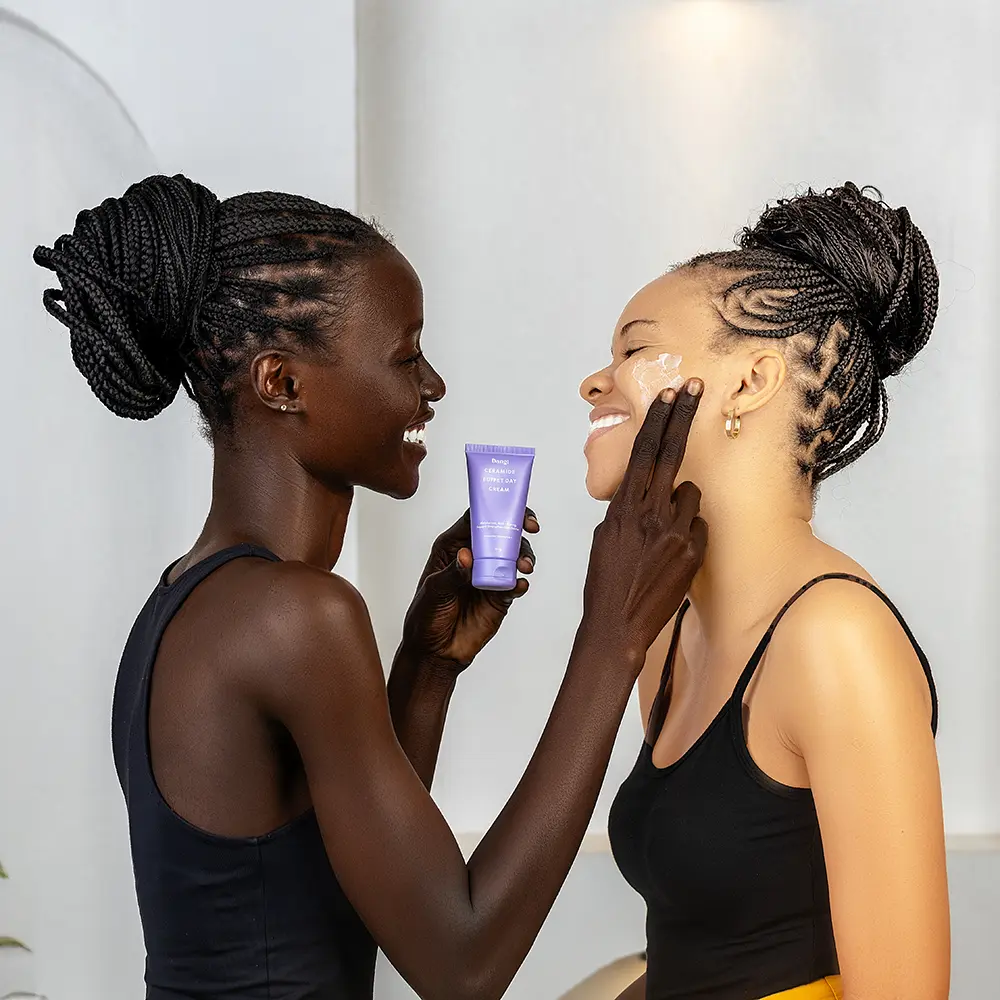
(655, 723)
(179, 591)
(754, 661)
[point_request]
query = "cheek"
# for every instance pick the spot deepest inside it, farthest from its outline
(641, 379)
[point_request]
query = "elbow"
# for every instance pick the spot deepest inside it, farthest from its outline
(470, 980)
(473, 988)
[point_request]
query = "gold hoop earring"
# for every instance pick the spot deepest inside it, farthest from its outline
(732, 425)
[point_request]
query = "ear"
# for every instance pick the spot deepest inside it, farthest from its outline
(759, 376)
(277, 384)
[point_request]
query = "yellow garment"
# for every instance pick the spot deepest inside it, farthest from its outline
(828, 988)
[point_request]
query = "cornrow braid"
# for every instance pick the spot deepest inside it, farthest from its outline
(854, 282)
(167, 286)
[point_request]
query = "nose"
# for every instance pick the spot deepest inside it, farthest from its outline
(432, 386)
(596, 385)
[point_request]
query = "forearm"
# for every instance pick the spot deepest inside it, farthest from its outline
(517, 871)
(419, 692)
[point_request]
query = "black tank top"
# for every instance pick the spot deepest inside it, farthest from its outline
(256, 918)
(729, 861)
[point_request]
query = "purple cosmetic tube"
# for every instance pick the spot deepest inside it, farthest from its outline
(498, 494)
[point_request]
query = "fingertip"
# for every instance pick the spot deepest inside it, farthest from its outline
(464, 558)
(668, 396)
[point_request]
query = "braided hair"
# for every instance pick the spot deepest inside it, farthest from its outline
(167, 286)
(850, 283)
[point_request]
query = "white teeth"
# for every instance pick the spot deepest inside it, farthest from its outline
(415, 435)
(611, 420)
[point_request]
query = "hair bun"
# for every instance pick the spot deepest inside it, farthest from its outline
(874, 252)
(133, 274)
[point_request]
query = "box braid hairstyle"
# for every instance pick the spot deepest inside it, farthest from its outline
(167, 286)
(854, 282)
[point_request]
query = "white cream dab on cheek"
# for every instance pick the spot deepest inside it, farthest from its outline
(652, 377)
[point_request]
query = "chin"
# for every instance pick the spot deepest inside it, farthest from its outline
(602, 487)
(402, 490)
(407, 483)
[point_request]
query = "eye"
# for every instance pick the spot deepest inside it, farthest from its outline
(633, 350)
(415, 359)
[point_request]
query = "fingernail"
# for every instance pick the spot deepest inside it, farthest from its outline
(695, 386)
(668, 395)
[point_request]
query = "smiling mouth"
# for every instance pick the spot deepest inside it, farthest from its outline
(416, 435)
(605, 424)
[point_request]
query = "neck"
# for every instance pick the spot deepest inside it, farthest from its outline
(757, 536)
(272, 501)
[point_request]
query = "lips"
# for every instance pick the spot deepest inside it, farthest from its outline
(604, 419)
(416, 433)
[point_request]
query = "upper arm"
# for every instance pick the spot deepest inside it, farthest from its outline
(652, 670)
(859, 713)
(392, 851)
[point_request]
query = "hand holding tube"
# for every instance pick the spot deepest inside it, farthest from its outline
(651, 541)
(449, 620)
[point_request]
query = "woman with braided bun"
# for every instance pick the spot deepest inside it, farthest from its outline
(783, 820)
(276, 786)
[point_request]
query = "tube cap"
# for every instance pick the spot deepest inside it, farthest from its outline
(494, 574)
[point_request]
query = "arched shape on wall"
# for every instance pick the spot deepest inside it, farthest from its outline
(8, 19)
(89, 507)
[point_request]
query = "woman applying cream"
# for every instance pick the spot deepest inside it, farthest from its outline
(277, 793)
(783, 821)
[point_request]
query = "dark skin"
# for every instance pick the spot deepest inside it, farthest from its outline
(269, 697)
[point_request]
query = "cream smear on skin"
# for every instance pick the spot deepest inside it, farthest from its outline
(652, 377)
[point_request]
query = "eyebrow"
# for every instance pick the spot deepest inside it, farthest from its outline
(628, 326)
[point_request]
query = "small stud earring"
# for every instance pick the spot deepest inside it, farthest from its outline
(284, 407)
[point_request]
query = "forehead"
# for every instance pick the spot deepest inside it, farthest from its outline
(387, 292)
(389, 279)
(678, 302)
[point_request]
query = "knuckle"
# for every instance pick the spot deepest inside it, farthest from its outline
(671, 451)
(646, 446)
(650, 521)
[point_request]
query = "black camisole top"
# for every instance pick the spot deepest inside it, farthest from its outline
(255, 918)
(729, 861)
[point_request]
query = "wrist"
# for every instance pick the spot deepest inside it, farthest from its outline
(414, 659)
(608, 648)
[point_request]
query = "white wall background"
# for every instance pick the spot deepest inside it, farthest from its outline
(93, 507)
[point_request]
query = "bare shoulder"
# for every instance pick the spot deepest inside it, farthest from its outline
(842, 653)
(302, 629)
